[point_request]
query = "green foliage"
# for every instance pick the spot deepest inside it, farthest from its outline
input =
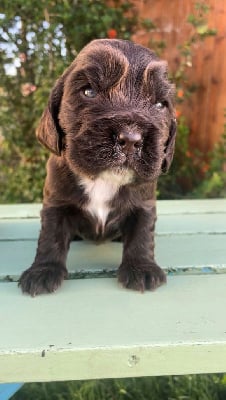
(191, 387)
(184, 172)
(199, 22)
(87, 20)
(192, 174)
(214, 181)
(29, 62)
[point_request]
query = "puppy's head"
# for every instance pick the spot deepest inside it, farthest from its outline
(112, 110)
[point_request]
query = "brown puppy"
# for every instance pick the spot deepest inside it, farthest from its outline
(110, 125)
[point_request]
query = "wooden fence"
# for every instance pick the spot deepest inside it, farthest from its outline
(205, 108)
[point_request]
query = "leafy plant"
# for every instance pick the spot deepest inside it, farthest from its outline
(214, 179)
(190, 387)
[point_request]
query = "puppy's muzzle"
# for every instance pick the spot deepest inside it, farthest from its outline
(129, 142)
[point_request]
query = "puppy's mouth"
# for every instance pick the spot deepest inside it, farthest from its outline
(124, 162)
(117, 147)
(130, 160)
(144, 166)
(123, 175)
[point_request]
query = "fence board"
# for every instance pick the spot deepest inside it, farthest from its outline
(205, 109)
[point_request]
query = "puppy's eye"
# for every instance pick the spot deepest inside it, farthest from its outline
(161, 104)
(89, 92)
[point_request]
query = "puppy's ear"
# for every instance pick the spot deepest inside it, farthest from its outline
(49, 132)
(169, 146)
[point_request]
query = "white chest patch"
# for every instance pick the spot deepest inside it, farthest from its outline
(102, 190)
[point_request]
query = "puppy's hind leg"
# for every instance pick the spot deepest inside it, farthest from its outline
(49, 267)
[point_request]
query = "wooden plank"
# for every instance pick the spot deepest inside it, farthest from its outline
(183, 241)
(197, 206)
(19, 229)
(163, 206)
(28, 229)
(95, 329)
(31, 210)
(173, 252)
(191, 223)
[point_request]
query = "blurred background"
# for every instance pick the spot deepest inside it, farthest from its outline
(38, 40)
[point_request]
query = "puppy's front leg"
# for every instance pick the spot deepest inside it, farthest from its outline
(138, 269)
(48, 269)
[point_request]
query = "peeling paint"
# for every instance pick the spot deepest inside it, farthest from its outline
(112, 273)
(133, 360)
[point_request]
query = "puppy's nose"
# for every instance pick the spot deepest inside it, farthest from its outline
(129, 141)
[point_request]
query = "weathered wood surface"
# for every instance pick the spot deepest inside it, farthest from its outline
(188, 235)
(92, 328)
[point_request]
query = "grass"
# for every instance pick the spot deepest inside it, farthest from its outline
(189, 387)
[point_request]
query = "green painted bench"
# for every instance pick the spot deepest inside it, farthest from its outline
(92, 328)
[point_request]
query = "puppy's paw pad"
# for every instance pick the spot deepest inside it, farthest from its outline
(141, 278)
(42, 278)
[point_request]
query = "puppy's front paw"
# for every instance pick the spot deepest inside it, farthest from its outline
(42, 278)
(140, 277)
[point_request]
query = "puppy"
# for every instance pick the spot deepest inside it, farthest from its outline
(110, 127)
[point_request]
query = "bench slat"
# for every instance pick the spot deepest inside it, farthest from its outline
(94, 329)
(164, 207)
(12, 229)
(172, 252)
